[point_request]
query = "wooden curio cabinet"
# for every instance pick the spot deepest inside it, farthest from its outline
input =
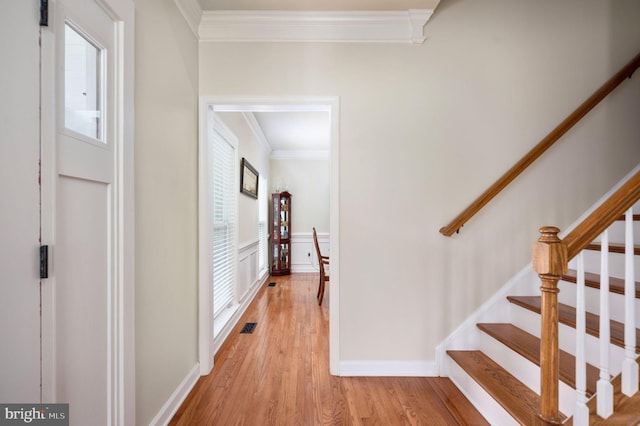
(281, 233)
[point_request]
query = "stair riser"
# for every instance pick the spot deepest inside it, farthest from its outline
(488, 407)
(616, 263)
(526, 371)
(530, 322)
(568, 292)
(617, 232)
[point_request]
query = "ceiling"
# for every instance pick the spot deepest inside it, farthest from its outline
(296, 130)
(291, 130)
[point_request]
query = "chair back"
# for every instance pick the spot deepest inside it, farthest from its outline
(315, 242)
(322, 260)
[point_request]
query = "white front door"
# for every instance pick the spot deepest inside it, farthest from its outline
(85, 209)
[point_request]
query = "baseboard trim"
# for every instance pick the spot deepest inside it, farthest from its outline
(170, 407)
(304, 269)
(388, 368)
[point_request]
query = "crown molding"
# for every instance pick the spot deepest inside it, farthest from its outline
(319, 26)
(192, 13)
(299, 155)
(250, 118)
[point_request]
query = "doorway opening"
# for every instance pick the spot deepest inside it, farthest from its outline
(210, 107)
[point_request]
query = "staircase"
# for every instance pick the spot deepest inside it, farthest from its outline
(496, 360)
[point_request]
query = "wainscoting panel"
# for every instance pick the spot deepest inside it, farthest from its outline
(248, 283)
(248, 268)
(303, 252)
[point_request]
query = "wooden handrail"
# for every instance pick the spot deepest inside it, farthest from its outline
(550, 260)
(541, 147)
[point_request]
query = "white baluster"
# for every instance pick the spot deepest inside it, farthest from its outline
(605, 389)
(629, 365)
(581, 411)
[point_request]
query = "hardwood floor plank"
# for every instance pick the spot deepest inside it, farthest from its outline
(279, 375)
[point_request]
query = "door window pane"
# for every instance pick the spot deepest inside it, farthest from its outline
(82, 85)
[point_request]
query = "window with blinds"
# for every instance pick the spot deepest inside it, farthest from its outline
(262, 224)
(224, 223)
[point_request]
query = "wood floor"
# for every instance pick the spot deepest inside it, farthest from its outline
(279, 375)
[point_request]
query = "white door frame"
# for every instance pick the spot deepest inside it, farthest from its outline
(20, 211)
(123, 392)
(248, 104)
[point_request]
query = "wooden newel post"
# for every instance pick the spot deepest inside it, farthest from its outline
(550, 262)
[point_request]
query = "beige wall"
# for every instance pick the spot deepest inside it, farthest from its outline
(424, 129)
(308, 182)
(166, 204)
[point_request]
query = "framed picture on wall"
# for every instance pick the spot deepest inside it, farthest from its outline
(248, 179)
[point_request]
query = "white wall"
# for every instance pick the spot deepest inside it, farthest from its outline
(424, 129)
(308, 182)
(166, 166)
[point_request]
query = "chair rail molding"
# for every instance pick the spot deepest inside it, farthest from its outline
(405, 26)
(303, 252)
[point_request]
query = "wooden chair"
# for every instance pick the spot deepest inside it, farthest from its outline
(322, 260)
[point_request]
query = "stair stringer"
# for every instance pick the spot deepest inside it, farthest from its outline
(496, 309)
(467, 337)
(490, 409)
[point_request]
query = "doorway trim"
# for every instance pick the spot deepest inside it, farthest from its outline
(252, 104)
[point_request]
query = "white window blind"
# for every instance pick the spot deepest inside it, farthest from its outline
(262, 224)
(224, 226)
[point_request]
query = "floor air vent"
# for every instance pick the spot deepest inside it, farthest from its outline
(272, 284)
(248, 328)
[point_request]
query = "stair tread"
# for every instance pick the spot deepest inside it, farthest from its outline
(636, 217)
(613, 248)
(567, 316)
(616, 285)
(528, 346)
(517, 399)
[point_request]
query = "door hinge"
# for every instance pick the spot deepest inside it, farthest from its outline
(44, 261)
(44, 13)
